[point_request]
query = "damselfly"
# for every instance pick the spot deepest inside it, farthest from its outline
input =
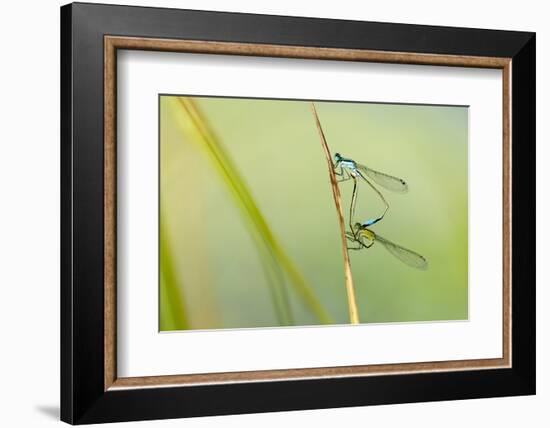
(347, 169)
(365, 238)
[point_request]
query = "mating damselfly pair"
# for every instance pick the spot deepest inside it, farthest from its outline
(360, 235)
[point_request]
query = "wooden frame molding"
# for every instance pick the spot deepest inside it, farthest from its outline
(113, 43)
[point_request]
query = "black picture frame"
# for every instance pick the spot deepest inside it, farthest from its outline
(83, 396)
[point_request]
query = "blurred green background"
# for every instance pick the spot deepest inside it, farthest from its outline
(248, 229)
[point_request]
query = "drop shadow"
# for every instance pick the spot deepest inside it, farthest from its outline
(49, 410)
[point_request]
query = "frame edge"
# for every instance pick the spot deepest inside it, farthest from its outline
(66, 315)
(523, 157)
(78, 405)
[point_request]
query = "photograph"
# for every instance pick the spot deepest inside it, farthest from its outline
(286, 213)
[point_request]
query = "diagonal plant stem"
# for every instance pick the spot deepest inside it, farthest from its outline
(270, 245)
(274, 275)
(350, 288)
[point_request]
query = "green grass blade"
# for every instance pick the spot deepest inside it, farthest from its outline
(173, 315)
(263, 235)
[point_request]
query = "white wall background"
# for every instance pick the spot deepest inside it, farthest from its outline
(29, 215)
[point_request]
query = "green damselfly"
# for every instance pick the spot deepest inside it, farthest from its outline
(365, 238)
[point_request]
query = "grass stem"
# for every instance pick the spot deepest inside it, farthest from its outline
(350, 288)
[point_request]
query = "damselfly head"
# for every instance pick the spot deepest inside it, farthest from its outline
(337, 157)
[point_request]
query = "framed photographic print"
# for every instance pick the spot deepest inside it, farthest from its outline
(265, 213)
